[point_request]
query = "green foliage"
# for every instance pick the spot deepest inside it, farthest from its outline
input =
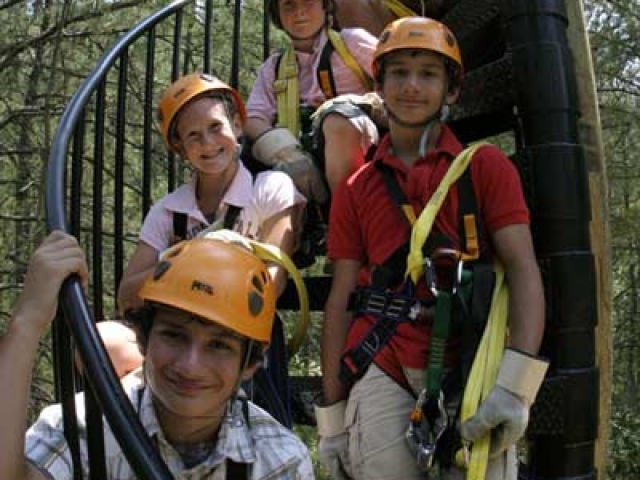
(48, 48)
(614, 28)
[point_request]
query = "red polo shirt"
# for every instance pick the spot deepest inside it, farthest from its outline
(366, 225)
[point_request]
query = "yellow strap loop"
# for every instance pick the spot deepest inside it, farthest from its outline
(288, 92)
(484, 371)
(349, 60)
(399, 9)
(272, 253)
(422, 227)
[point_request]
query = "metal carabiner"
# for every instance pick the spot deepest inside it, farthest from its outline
(430, 276)
(457, 281)
(424, 434)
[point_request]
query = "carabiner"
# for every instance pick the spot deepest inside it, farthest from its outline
(423, 433)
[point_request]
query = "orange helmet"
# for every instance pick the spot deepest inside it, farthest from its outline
(218, 281)
(420, 33)
(185, 89)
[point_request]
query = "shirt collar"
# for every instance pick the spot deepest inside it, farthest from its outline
(240, 190)
(234, 438)
(448, 146)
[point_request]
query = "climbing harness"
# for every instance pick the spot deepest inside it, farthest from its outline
(391, 307)
(451, 285)
(286, 84)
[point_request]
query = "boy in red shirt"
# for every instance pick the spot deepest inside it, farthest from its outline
(363, 423)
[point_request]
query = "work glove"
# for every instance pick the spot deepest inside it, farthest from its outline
(278, 148)
(333, 447)
(226, 235)
(333, 453)
(370, 103)
(505, 412)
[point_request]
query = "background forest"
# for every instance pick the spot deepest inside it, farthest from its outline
(48, 47)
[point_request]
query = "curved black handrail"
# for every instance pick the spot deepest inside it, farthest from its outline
(136, 445)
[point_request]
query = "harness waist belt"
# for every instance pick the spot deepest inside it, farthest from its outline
(390, 305)
(390, 309)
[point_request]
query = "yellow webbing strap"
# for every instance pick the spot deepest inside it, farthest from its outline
(399, 9)
(349, 60)
(288, 92)
(422, 227)
(272, 253)
(484, 372)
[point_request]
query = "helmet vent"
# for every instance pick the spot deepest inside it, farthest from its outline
(256, 303)
(161, 269)
(258, 283)
(174, 253)
(450, 39)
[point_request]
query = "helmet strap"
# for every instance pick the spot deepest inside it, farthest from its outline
(231, 409)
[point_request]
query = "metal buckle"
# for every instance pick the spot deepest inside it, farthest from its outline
(423, 433)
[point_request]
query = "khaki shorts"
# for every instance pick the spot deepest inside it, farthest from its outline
(377, 418)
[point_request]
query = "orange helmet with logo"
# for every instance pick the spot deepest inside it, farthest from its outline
(185, 89)
(218, 281)
(417, 33)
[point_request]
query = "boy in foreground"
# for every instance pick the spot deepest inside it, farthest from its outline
(206, 319)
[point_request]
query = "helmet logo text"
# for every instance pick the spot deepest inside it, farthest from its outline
(199, 286)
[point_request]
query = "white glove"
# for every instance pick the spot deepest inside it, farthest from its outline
(278, 148)
(227, 236)
(505, 412)
(333, 448)
(214, 232)
(333, 453)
